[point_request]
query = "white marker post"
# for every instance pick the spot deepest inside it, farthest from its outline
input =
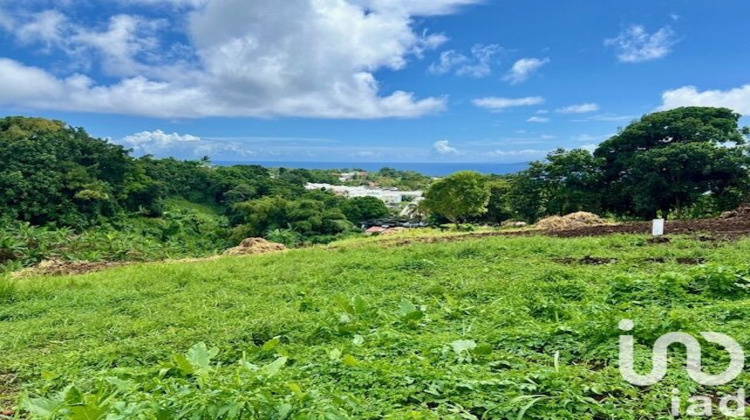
(658, 228)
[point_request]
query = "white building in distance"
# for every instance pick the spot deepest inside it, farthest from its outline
(389, 197)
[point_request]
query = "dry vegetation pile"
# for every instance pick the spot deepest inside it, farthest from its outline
(58, 267)
(253, 246)
(570, 221)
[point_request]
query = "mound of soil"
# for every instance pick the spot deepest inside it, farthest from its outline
(253, 246)
(741, 212)
(570, 221)
(57, 267)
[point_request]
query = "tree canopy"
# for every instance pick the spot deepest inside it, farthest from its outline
(667, 160)
(458, 196)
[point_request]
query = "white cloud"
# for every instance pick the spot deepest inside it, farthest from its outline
(635, 45)
(478, 65)
(496, 104)
(127, 46)
(523, 69)
(157, 137)
(737, 99)
(579, 108)
(538, 120)
(265, 58)
(443, 147)
(448, 61)
(161, 144)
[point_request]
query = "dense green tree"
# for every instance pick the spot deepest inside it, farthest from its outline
(566, 182)
(678, 176)
(498, 206)
(459, 196)
(667, 160)
(308, 217)
(362, 209)
(571, 182)
(52, 173)
(528, 194)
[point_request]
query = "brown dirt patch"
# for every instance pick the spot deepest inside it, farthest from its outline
(9, 388)
(659, 240)
(691, 261)
(587, 260)
(254, 246)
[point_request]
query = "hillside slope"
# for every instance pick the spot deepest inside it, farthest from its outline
(489, 328)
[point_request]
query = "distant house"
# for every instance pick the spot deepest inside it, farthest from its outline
(389, 197)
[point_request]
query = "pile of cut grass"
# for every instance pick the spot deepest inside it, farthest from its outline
(489, 328)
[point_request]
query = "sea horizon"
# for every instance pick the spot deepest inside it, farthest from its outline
(425, 168)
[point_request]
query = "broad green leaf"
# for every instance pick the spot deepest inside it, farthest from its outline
(73, 396)
(360, 305)
(482, 349)
(334, 354)
(284, 410)
(409, 312)
(183, 364)
(460, 346)
(86, 412)
(274, 367)
(349, 360)
(271, 344)
(43, 407)
(199, 356)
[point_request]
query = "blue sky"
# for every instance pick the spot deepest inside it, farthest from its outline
(367, 80)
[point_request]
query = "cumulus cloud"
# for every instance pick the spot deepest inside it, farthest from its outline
(523, 69)
(126, 46)
(737, 99)
(496, 104)
(443, 147)
(478, 64)
(161, 144)
(307, 58)
(579, 108)
(157, 137)
(538, 120)
(635, 44)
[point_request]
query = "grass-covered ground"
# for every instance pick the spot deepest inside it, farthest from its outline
(489, 328)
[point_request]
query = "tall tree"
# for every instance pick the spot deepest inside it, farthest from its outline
(666, 160)
(362, 209)
(459, 196)
(566, 182)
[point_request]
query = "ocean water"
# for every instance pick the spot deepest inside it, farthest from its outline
(425, 168)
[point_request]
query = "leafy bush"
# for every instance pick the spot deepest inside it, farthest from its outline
(190, 386)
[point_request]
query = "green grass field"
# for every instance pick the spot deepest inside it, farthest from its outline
(489, 328)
